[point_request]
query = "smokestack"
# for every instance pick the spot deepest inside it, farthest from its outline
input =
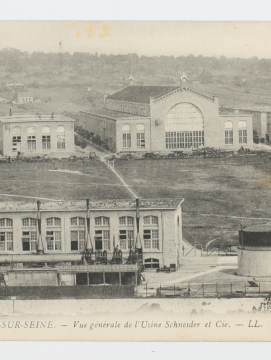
(138, 244)
(88, 239)
(40, 249)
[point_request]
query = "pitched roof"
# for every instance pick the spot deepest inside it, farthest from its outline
(114, 115)
(80, 205)
(141, 94)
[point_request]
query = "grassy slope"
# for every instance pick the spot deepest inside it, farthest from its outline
(225, 190)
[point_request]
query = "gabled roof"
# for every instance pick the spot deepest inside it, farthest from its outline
(141, 94)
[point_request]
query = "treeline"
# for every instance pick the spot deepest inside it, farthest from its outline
(200, 67)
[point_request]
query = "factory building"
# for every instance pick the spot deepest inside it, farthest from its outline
(254, 252)
(261, 117)
(166, 119)
(59, 233)
(35, 135)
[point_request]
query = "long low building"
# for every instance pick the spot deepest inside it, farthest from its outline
(166, 118)
(60, 232)
(35, 135)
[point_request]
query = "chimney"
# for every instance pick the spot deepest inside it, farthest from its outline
(88, 239)
(40, 250)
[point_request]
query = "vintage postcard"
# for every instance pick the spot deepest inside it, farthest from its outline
(135, 174)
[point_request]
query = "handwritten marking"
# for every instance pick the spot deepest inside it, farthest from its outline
(105, 29)
(89, 30)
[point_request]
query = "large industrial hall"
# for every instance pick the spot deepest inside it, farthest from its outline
(166, 119)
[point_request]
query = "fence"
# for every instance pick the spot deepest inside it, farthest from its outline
(67, 292)
(206, 290)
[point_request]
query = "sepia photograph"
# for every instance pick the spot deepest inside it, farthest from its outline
(135, 174)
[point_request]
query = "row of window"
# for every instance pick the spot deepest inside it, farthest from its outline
(102, 237)
(80, 221)
(140, 135)
(31, 142)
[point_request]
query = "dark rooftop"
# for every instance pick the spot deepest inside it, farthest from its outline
(141, 94)
(111, 113)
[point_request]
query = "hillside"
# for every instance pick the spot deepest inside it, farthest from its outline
(63, 82)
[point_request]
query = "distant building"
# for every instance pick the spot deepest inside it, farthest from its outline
(33, 135)
(166, 118)
(24, 97)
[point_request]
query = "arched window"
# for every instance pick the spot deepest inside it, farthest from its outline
(102, 233)
(46, 137)
(150, 232)
(140, 135)
(242, 128)
(29, 234)
(6, 234)
(60, 137)
(53, 236)
(228, 133)
(126, 232)
(16, 138)
(31, 138)
(126, 135)
(184, 127)
(78, 233)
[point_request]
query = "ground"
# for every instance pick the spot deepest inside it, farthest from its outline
(217, 198)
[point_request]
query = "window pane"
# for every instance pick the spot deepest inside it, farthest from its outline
(98, 221)
(106, 245)
(57, 222)
(74, 221)
(106, 221)
(154, 220)
(130, 220)
(81, 221)
(147, 220)
(49, 222)
(9, 222)
(147, 244)
(106, 234)
(123, 244)
(25, 222)
(33, 222)
(122, 220)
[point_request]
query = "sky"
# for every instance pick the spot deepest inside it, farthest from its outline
(150, 38)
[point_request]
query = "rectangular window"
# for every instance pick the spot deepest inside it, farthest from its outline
(151, 239)
(31, 142)
(242, 136)
(46, 142)
(126, 137)
(16, 143)
(140, 139)
(29, 240)
(6, 241)
(102, 240)
(228, 137)
(184, 139)
(60, 142)
(78, 240)
(126, 238)
(53, 239)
